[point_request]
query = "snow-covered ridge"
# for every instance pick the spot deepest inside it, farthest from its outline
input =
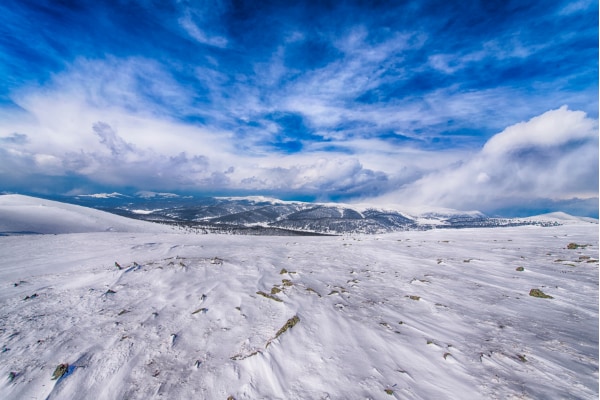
(416, 212)
(103, 195)
(145, 212)
(257, 199)
(24, 214)
(145, 194)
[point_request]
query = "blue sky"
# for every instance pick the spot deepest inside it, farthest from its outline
(471, 105)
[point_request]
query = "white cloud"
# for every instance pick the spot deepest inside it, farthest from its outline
(126, 94)
(325, 176)
(95, 121)
(551, 156)
(483, 178)
(553, 128)
(327, 96)
(91, 121)
(82, 124)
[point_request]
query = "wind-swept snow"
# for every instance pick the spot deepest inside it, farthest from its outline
(441, 314)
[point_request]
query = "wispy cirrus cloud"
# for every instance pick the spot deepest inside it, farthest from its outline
(210, 11)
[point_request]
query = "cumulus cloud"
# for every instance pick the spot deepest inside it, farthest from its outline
(126, 164)
(551, 129)
(324, 178)
(552, 156)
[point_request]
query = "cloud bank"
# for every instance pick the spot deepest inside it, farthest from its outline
(550, 158)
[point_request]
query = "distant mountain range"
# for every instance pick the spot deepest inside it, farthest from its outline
(262, 215)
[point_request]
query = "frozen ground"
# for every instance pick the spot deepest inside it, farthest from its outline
(442, 314)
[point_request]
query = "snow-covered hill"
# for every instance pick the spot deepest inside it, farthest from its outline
(24, 214)
(562, 218)
(438, 314)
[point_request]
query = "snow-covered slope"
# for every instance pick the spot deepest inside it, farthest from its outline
(24, 214)
(439, 314)
(562, 217)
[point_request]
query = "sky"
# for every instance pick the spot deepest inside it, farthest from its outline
(473, 105)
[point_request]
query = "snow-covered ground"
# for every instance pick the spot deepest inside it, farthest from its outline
(440, 314)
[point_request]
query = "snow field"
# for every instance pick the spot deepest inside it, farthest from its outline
(412, 315)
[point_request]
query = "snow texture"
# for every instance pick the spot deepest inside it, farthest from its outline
(439, 314)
